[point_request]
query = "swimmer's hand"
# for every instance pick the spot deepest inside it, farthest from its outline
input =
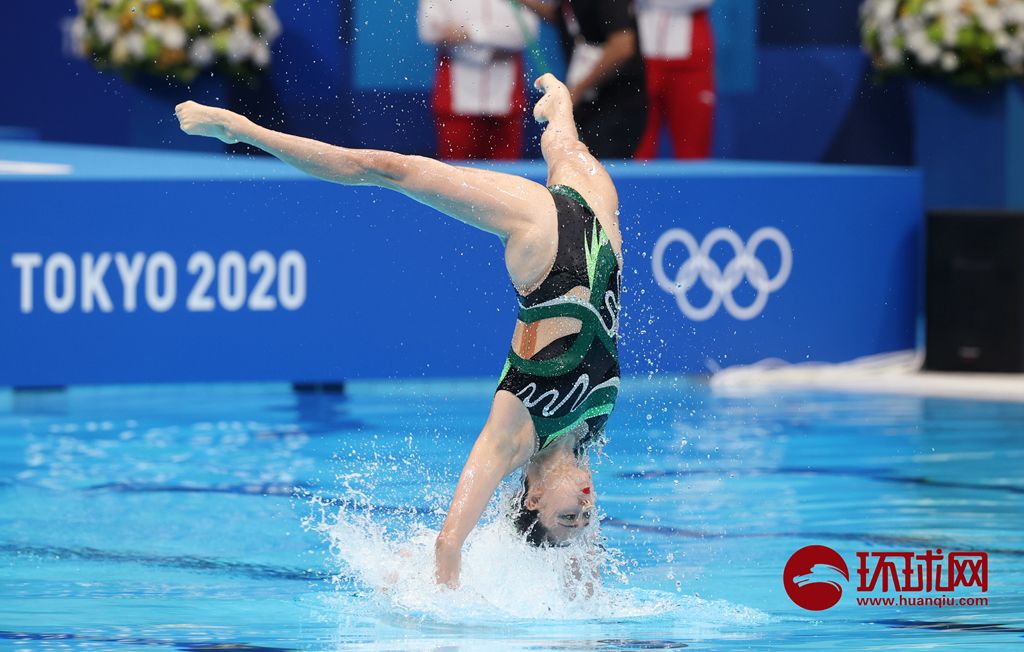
(447, 559)
(556, 102)
(199, 120)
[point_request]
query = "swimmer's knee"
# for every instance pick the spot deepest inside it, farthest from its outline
(387, 166)
(559, 149)
(391, 169)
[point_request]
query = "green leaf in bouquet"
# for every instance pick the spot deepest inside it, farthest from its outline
(152, 48)
(90, 47)
(190, 18)
(967, 38)
(220, 42)
(986, 43)
(871, 38)
(175, 9)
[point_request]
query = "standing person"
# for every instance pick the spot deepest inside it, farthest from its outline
(606, 72)
(679, 52)
(563, 255)
(479, 98)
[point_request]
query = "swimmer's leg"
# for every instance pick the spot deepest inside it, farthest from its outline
(569, 161)
(506, 442)
(503, 204)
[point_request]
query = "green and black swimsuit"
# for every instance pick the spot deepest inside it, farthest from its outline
(574, 379)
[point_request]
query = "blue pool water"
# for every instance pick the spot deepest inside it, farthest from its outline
(199, 516)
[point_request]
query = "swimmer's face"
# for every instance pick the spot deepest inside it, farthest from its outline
(564, 502)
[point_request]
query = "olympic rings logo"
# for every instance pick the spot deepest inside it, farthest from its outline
(700, 266)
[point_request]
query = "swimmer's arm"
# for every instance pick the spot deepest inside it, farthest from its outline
(492, 458)
(502, 204)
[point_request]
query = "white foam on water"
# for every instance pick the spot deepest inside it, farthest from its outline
(504, 579)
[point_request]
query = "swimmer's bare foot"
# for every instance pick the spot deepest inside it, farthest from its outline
(555, 108)
(212, 122)
(556, 105)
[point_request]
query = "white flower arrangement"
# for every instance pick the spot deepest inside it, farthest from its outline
(176, 38)
(974, 42)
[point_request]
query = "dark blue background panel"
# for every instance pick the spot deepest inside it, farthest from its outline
(388, 55)
(349, 72)
(393, 289)
(800, 23)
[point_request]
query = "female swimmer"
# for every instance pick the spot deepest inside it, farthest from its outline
(562, 252)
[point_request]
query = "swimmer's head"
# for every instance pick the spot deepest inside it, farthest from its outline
(556, 507)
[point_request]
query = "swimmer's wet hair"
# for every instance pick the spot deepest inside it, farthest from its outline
(527, 521)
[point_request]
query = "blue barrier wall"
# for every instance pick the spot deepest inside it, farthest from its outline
(980, 162)
(151, 266)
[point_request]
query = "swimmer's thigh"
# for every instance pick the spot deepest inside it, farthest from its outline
(496, 202)
(571, 164)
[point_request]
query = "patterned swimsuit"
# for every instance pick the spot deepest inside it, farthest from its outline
(575, 378)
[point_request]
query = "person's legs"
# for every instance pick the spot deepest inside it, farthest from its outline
(481, 132)
(630, 124)
(569, 161)
(691, 111)
(455, 137)
(493, 201)
(655, 109)
(505, 137)
(443, 127)
(560, 142)
(612, 127)
(504, 204)
(588, 122)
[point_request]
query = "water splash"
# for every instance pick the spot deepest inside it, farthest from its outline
(503, 578)
(380, 527)
(387, 556)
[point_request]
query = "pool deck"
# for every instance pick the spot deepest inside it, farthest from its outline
(892, 373)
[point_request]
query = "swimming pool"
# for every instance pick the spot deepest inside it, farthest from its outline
(181, 517)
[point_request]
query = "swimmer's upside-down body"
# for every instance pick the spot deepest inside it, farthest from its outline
(562, 252)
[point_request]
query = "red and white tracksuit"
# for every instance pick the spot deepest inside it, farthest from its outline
(479, 97)
(678, 47)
